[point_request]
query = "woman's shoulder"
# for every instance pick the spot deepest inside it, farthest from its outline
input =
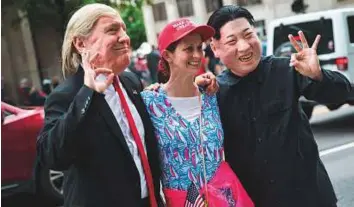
(151, 95)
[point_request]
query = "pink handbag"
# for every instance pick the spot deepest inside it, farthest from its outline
(224, 190)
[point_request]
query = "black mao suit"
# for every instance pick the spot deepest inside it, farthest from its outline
(268, 139)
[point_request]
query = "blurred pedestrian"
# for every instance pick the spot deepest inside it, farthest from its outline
(55, 81)
(47, 86)
(4, 94)
(29, 94)
(152, 62)
(211, 59)
(142, 68)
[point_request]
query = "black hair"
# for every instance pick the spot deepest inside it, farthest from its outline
(164, 74)
(228, 13)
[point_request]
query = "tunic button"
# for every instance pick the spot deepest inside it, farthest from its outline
(265, 162)
(271, 181)
(259, 140)
(254, 119)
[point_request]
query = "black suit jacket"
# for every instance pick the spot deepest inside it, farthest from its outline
(82, 138)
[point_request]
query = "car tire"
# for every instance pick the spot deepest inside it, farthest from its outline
(50, 185)
(308, 111)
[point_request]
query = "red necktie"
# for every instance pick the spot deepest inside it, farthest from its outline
(138, 142)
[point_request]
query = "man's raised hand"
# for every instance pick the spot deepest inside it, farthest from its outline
(91, 72)
(306, 61)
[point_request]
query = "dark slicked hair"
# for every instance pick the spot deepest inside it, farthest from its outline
(228, 13)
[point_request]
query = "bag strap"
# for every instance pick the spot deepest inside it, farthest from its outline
(202, 149)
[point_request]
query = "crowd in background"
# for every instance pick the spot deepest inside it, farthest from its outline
(29, 95)
(144, 63)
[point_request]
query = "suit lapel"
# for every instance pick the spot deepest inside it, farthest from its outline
(132, 93)
(113, 125)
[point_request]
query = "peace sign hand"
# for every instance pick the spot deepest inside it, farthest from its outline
(88, 63)
(306, 60)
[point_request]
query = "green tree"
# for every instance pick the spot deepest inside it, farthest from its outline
(133, 17)
(56, 13)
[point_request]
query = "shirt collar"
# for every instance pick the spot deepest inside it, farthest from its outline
(110, 88)
(230, 79)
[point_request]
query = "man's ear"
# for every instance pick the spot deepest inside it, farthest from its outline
(213, 46)
(79, 44)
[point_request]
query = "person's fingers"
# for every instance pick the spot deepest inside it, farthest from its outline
(93, 57)
(215, 86)
(97, 45)
(299, 56)
(294, 43)
(84, 59)
(209, 89)
(299, 67)
(201, 80)
(210, 75)
(207, 81)
(109, 79)
(303, 40)
(315, 43)
(157, 86)
(153, 87)
(212, 88)
(213, 82)
(292, 59)
(104, 71)
(295, 63)
(205, 75)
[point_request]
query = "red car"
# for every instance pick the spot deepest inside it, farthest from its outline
(20, 169)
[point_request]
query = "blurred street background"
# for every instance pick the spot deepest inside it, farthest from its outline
(31, 39)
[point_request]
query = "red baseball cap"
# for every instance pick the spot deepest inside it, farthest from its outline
(180, 28)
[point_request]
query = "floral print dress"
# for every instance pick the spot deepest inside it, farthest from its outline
(180, 142)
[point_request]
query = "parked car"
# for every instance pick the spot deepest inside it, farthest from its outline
(335, 50)
(20, 169)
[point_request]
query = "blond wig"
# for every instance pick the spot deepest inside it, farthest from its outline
(80, 25)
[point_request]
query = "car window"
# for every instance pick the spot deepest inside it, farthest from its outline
(350, 22)
(324, 27)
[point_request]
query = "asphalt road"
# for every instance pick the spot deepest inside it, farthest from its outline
(334, 133)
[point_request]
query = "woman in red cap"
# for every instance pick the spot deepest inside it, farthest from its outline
(188, 127)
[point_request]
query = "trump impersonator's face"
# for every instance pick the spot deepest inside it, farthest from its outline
(110, 42)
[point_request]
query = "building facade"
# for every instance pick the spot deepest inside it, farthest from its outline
(157, 15)
(26, 52)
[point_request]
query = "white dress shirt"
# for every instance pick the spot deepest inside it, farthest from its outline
(114, 103)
